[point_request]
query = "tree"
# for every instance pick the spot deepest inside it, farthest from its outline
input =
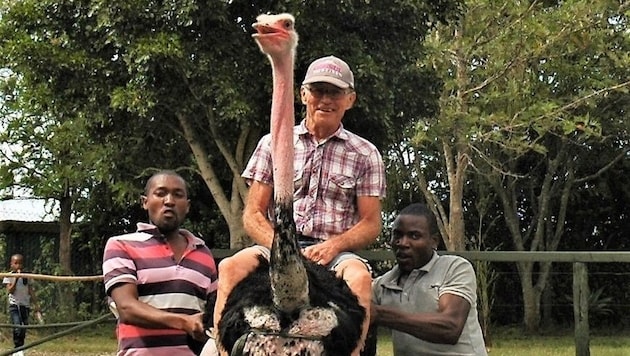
(47, 156)
(191, 67)
(44, 157)
(523, 82)
(55, 119)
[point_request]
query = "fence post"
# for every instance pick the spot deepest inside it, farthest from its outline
(580, 309)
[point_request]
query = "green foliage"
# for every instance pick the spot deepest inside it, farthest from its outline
(523, 82)
(527, 88)
(128, 86)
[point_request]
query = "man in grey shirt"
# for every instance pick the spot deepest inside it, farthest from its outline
(428, 301)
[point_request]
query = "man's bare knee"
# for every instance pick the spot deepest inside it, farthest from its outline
(354, 272)
(234, 269)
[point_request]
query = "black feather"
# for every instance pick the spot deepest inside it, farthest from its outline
(324, 288)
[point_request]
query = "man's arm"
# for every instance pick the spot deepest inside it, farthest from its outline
(442, 327)
(134, 312)
(255, 220)
(363, 233)
(366, 230)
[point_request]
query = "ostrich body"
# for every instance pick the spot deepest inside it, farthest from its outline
(288, 305)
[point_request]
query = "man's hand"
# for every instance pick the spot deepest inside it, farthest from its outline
(194, 327)
(322, 253)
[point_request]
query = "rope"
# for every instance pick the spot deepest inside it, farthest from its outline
(57, 335)
(42, 326)
(47, 277)
(283, 334)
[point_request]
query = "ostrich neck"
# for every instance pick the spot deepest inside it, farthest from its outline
(282, 122)
(289, 280)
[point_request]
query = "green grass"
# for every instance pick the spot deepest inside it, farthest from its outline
(512, 342)
(100, 341)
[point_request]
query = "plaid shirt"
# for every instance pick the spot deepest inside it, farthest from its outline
(328, 177)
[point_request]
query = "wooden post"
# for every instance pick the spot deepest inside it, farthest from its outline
(580, 309)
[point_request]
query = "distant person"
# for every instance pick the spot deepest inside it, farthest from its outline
(159, 277)
(428, 301)
(21, 297)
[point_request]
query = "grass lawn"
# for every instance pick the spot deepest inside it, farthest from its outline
(100, 341)
(512, 342)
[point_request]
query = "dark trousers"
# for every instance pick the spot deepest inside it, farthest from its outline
(19, 316)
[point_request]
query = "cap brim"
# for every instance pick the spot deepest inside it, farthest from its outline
(334, 81)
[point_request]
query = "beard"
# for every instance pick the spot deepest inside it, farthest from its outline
(167, 226)
(166, 230)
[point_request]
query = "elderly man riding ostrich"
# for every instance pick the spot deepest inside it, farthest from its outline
(303, 293)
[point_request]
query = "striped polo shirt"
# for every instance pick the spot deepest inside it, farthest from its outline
(328, 177)
(145, 259)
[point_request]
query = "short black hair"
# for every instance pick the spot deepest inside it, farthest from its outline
(164, 172)
(420, 209)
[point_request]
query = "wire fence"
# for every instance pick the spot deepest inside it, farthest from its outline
(81, 299)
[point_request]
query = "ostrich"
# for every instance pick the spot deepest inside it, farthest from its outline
(288, 305)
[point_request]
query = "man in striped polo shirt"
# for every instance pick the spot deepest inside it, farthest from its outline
(160, 276)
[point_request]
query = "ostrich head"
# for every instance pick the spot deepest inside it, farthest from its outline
(276, 37)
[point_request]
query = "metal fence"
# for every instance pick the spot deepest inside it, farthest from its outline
(88, 299)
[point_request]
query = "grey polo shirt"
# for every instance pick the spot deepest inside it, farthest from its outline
(420, 294)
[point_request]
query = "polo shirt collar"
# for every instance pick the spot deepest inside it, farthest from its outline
(395, 275)
(153, 231)
(427, 267)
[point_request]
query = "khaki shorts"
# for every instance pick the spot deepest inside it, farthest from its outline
(344, 256)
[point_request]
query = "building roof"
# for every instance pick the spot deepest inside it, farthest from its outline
(12, 226)
(35, 210)
(26, 216)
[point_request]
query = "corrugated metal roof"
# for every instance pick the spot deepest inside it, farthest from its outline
(25, 210)
(26, 216)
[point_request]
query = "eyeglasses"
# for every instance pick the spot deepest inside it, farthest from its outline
(330, 91)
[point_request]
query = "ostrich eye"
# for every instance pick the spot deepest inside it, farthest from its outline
(288, 24)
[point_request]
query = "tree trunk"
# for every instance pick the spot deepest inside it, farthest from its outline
(531, 297)
(238, 237)
(65, 233)
(456, 152)
(486, 278)
(547, 307)
(65, 255)
(231, 209)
